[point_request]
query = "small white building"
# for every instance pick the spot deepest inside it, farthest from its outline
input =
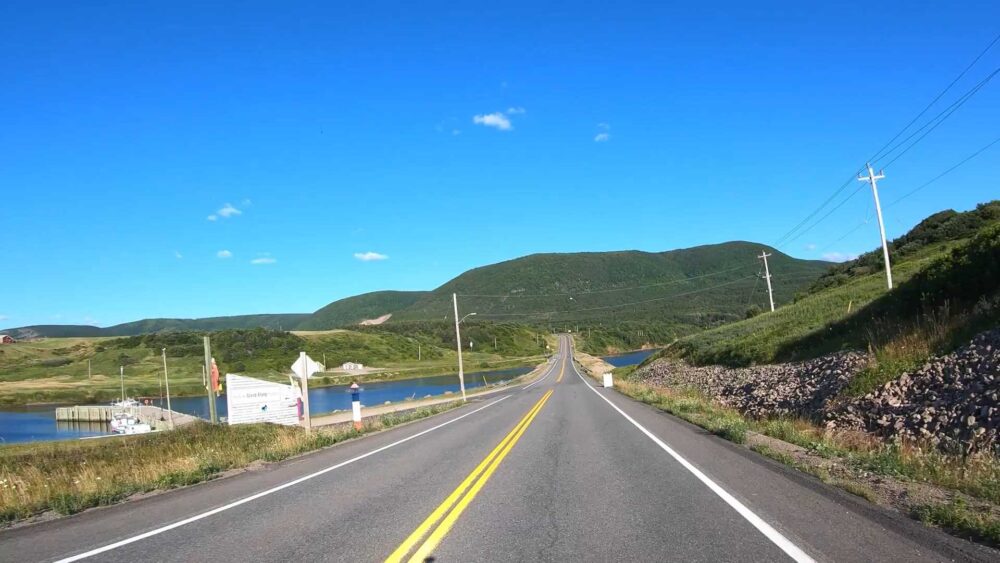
(351, 366)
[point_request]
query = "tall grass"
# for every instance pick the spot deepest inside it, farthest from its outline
(71, 476)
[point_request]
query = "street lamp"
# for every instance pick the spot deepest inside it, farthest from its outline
(458, 343)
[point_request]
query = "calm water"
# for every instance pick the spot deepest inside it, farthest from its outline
(629, 358)
(32, 424)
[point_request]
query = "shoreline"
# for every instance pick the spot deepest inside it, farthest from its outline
(401, 374)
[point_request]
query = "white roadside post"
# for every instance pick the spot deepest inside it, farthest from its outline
(304, 367)
(608, 381)
(356, 406)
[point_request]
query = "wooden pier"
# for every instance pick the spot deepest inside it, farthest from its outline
(105, 413)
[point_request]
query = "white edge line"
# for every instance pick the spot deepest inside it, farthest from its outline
(544, 377)
(264, 493)
(775, 536)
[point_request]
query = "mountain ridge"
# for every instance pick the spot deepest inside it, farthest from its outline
(714, 281)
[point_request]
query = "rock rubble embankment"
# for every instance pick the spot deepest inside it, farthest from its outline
(952, 401)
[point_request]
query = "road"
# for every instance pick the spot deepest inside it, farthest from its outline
(551, 471)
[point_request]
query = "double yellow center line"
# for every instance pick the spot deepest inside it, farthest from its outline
(440, 522)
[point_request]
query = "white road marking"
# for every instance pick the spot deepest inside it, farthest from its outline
(272, 490)
(548, 373)
(775, 536)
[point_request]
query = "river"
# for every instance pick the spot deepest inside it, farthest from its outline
(629, 358)
(37, 423)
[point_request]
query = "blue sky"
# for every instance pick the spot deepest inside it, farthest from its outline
(445, 138)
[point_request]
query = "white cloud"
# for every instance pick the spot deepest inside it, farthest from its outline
(212, 217)
(515, 110)
(601, 138)
(370, 256)
(228, 211)
(4, 317)
(495, 119)
(263, 260)
(224, 254)
(810, 247)
(839, 256)
(178, 255)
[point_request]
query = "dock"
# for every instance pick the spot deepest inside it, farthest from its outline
(105, 413)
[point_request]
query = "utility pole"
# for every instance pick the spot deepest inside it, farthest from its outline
(121, 370)
(166, 378)
(767, 276)
(458, 343)
(418, 352)
(305, 391)
(494, 342)
(208, 383)
(873, 179)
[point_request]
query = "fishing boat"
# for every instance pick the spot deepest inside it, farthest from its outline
(125, 423)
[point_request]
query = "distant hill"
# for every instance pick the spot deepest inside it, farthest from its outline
(52, 331)
(148, 326)
(698, 286)
(688, 288)
(354, 310)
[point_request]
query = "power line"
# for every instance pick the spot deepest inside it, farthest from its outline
(828, 213)
(945, 114)
(878, 155)
(881, 153)
(946, 172)
(915, 190)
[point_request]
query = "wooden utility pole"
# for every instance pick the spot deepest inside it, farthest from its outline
(208, 377)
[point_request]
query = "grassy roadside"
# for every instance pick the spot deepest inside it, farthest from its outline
(67, 477)
(960, 495)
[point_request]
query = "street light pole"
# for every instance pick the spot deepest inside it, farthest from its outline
(458, 343)
(170, 412)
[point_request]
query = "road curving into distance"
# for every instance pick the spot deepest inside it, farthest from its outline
(550, 471)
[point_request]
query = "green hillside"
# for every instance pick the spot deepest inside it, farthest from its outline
(675, 290)
(946, 286)
(148, 326)
(352, 310)
(694, 287)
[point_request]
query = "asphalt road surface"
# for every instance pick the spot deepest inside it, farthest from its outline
(556, 470)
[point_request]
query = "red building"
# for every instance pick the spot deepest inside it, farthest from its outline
(7, 339)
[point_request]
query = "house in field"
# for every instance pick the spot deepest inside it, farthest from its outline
(7, 339)
(351, 366)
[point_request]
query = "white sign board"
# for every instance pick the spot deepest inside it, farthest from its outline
(252, 400)
(607, 380)
(305, 366)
